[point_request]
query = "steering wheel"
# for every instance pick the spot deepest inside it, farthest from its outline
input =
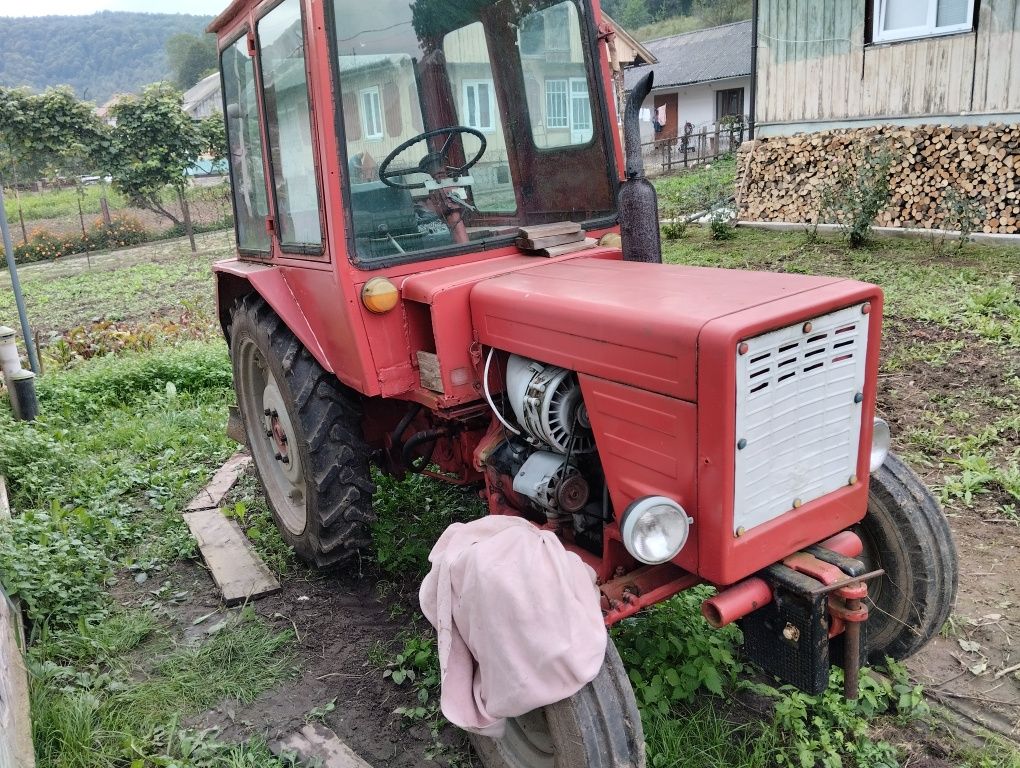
(435, 164)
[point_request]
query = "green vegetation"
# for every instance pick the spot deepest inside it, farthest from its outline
(650, 19)
(151, 282)
(97, 55)
(98, 483)
(191, 58)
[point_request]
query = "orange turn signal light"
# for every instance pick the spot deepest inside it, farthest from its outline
(379, 295)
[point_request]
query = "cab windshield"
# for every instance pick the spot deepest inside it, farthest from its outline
(464, 120)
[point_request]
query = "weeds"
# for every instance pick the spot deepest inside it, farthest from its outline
(412, 514)
(858, 194)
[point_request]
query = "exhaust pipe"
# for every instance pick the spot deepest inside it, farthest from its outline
(637, 201)
(749, 595)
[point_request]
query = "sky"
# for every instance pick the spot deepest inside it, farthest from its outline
(77, 7)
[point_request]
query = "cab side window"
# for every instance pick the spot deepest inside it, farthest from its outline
(248, 179)
(285, 97)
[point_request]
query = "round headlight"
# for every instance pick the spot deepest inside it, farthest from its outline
(655, 529)
(880, 440)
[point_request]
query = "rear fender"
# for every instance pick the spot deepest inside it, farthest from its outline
(235, 279)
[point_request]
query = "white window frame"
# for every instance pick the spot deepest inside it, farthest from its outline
(562, 122)
(576, 126)
(929, 29)
(477, 124)
(374, 111)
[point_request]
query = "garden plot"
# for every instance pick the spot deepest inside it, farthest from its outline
(135, 659)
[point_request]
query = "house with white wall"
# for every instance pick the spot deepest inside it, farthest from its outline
(701, 78)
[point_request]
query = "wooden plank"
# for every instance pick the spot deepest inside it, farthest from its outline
(5, 504)
(428, 370)
(235, 566)
(221, 482)
(315, 744)
(542, 230)
(547, 241)
(16, 749)
(560, 250)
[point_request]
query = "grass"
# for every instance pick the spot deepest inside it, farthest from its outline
(136, 284)
(98, 482)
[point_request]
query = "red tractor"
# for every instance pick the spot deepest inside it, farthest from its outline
(445, 266)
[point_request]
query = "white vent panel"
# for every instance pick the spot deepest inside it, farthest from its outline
(798, 415)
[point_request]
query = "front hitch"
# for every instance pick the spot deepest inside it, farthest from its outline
(800, 615)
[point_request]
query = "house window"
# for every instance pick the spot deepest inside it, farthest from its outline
(371, 113)
(729, 102)
(479, 107)
(906, 19)
(556, 104)
(580, 111)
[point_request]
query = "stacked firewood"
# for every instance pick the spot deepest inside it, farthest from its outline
(783, 178)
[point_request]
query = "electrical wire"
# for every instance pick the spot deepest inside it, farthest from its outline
(488, 395)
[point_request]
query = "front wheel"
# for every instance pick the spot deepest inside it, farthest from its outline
(906, 533)
(598, 727)
(304, 431)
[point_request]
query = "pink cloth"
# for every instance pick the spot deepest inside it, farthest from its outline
(518, 618)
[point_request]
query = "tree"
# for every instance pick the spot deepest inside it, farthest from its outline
(154, 144)
(51, 133)
(213, 132)
(634, 13)
(191, 58)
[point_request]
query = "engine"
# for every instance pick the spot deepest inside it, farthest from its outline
(552, 461)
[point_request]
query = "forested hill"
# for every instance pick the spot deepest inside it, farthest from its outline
(97, 55)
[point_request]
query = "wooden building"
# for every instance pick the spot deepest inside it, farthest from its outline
(823, 64)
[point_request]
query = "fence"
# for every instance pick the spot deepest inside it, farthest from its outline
(54, 221)
(692, 147)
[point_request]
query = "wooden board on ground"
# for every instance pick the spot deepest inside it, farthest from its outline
(315, 744)
(222, 481)
(235, 566)
(15, 726)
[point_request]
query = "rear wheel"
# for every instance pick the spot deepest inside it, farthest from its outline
(304, 431)
(907, 534)
(598, 727)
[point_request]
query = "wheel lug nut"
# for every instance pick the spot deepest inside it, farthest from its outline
(267, 412)
(285, 459)
(279, 457)
(283, 439)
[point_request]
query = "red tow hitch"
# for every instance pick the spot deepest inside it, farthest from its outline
(833, 576)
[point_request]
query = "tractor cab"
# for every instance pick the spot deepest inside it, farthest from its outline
(453, 123)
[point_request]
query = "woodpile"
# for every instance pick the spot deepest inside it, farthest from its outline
(782, 178)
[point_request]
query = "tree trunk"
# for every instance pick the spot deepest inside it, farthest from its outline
(186, 212)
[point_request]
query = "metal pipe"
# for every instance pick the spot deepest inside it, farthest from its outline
(752, 97)
(12, 270)
(635, 165)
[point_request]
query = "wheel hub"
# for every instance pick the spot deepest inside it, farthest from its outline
(271, 436)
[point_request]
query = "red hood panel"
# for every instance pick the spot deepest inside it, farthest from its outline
(625, 321)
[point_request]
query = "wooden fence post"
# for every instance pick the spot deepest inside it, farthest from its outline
(16, 749)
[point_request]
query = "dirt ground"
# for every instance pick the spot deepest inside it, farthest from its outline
(959, 668)
(337, 619)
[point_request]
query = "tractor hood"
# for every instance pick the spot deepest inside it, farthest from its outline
(634, 323)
